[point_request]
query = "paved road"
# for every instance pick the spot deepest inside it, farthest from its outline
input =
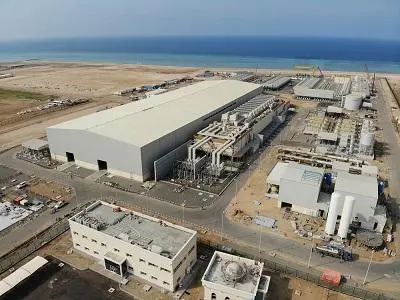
(211, 217)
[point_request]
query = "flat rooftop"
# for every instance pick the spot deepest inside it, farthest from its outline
(357, 184)
(303, 174)
(153, 234)
(235, 272)
(11, 214)
(161, 114)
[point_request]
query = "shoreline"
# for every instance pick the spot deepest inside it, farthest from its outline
(284, 71)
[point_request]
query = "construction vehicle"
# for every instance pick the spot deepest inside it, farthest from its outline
(334, 250)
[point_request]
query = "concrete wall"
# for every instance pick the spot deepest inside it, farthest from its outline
(221, 292)
(97, 244)
(299, 194)
(364, 207)
(122, 159)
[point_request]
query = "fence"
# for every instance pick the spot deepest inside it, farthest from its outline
(274, 264)
(36, 242)
(27, 248)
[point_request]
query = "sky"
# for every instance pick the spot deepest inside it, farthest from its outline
(38, 19)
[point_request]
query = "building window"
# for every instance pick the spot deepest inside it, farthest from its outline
(141, 260)
(84, 236)
(76, 233)
(78, 245)
(143, 273)
(95, 252)
(227, 298)
(155, 278)
(162, 269)
(213, 296)
(86, 248)
(191, 250)
(129, 255)
(116, 250)
(178, 266)
(153, 265)
(104, 245)
(94, 241)
(165, 283)
(130, 268)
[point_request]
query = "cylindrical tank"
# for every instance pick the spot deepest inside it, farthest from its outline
(381, 187)
(345, 219)
(328, 179)
(352, 102)
(367, 139)
(332, 214)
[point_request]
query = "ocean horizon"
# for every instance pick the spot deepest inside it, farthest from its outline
(330, 54)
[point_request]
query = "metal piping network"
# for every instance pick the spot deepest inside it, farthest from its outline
(218, 154)
(193, 148)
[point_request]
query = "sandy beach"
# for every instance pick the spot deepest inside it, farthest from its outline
(99, 80)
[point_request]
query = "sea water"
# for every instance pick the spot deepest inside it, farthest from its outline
(330, 54)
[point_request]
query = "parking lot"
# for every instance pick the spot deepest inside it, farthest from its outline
(65, 283)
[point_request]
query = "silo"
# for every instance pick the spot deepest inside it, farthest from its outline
(367, 139)
(352, 102)
(332, 214)
(346, 217)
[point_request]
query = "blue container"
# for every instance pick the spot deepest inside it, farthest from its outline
(328, 178)
(381, 187)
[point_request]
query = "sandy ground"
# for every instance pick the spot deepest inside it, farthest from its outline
(90, 80)
(49, 190)
(36, 128)
(281, 287)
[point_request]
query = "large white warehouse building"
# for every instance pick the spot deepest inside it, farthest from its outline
(125, 242)
(126, 140)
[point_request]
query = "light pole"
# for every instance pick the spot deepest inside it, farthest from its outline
(369, 265)
(183, 211)
(222, 224)
(311, 250)
(259, 225)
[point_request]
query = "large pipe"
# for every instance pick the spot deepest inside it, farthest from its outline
(346, 217)
(332, 214)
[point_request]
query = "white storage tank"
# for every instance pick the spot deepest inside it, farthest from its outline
(332, 214)
(352, 102)
(367, 139)
(346, 217)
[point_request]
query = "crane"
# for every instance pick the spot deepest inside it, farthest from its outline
(320, 72)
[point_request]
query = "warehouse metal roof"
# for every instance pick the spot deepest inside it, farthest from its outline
(357, 184)
(303, 174)
(274, 177)
(142, 122)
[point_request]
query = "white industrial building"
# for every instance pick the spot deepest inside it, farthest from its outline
(299, 187)
(230, 277)
(126, 140)
(125, 242)
(323, 88)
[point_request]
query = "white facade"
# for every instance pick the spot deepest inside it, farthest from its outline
(126, 140)
(160, 252)
(230, 277)
(304, 196)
